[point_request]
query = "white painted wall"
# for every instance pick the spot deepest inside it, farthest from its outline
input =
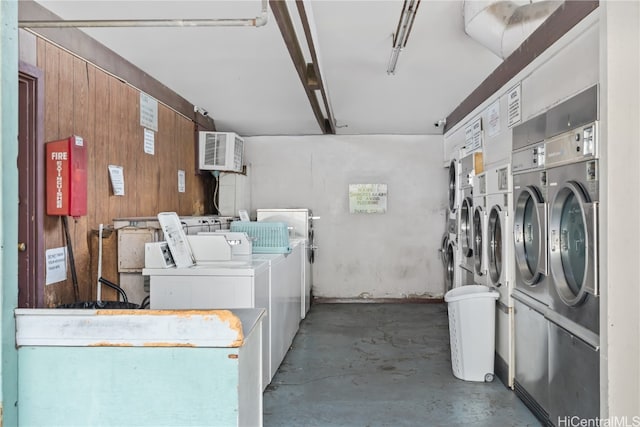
(392, 255)
(620, 210)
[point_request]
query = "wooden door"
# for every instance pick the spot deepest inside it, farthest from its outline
(31, 275)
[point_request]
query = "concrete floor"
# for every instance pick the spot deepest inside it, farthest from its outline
(381, 365)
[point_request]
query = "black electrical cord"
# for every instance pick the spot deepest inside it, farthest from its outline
(72, 262)
(114, 286)
(145, 302)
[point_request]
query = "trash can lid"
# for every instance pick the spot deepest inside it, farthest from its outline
(470, 292)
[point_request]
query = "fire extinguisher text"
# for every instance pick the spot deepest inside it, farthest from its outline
(59, 157)
(59, 184)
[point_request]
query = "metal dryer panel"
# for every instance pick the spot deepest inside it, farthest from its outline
(574, 146)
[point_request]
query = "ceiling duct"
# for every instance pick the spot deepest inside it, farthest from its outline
(502, 26)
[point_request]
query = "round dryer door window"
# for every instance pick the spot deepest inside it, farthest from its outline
(572, 243)
(529, 234)
(570, 239)
(495, 245)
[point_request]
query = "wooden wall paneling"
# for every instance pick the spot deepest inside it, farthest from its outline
(167, 199)
(147, 175)
(194, 183)
(117, 116)
(50, 66)
(184, 199)
(66, 106)
(83, 100)
(90, 72)
(52, 224)
(102, 185)
(51, 69)
(101, 188)
(84, 127)
(66, 97)
(173, 161)
(130, 150)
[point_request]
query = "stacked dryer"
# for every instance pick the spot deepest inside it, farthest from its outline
(574, 315)
(449, 242)
(500, 270)
(555, 224)
(531, 293)
(465, 265)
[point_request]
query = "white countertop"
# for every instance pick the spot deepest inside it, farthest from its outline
(135, 328)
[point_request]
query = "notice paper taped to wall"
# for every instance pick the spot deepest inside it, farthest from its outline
(116, 173)
(56, 262)
(367, 198)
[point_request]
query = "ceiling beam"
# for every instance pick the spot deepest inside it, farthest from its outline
(310, 82)
(558, 24)
(316, 64)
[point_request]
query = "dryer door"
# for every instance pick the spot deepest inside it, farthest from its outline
(495, 245)
(453, 188)
(444, 243)
(529, 228)
(466, 212)
(572, 241)
(451, 267)
(478, 240)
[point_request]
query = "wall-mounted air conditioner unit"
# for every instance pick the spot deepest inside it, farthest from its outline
(221, 151)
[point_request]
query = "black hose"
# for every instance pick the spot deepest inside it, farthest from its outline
(72, 262)
(145, 302)
(114, 286)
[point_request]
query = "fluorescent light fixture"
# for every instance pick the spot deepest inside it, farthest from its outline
(403, 30)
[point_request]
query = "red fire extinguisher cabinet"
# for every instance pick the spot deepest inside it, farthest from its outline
(66, 168)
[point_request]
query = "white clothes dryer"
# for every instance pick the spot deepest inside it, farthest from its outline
(574, 341)
(530, 294)
(500, 267)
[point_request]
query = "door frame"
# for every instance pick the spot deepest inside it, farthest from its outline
(31, 282)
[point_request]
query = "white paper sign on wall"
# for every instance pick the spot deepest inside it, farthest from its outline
(514, 106)
(181, 181)
(493, 119)
(56, 260)
(149, 141)
(148, 112)
(473, 137)
(367, 198)
(116, 173)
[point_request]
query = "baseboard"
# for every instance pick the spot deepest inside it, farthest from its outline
(501, 370)
(378, 300)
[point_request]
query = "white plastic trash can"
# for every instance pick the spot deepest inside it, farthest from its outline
(472, 318)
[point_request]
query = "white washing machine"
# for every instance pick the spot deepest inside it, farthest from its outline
(301, 223)
(284, 301)
(239, 283)
(479, 235)
(500, 266)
